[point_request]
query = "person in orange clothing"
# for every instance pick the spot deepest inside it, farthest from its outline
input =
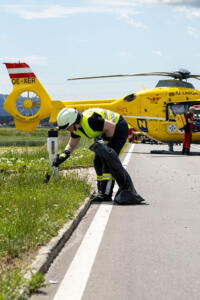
(189, 116)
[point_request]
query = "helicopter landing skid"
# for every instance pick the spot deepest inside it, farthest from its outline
(169, 151)
(164, 152)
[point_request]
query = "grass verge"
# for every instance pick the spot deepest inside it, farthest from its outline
(31, 212)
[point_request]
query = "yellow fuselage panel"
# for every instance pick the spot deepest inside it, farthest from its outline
(146, 113)
(151, 117)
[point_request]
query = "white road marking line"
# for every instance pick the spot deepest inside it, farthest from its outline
(76, 277)
(128, 156)
(74, 282)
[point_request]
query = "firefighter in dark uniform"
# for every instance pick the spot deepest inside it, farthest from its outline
(189, 116)
(92, 123)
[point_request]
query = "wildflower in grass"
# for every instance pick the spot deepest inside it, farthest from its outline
(20, 161)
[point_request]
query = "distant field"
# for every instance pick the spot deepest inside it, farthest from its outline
(14, 137)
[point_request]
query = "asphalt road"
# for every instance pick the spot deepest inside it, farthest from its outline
(145, 252)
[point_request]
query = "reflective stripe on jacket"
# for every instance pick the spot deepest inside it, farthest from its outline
(104, 113)
(105, 176)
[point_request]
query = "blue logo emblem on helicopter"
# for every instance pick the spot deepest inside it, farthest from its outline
(142, 124)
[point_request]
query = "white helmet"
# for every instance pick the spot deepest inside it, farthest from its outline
(67, 117)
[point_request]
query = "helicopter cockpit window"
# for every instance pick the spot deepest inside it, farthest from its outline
(178, 109)
(130, 97)
(174, 109)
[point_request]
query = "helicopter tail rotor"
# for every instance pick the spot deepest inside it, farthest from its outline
(28, 102)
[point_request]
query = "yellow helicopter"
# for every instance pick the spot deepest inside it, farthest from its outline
(152, 112)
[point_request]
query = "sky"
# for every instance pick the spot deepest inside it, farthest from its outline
(60, 39)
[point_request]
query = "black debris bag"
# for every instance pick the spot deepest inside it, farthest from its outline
(126, 193)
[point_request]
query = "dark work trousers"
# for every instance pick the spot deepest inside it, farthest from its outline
(188, 134)
(187, 139)
(105, 186)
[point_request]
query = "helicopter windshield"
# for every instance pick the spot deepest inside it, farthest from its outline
(174, 83)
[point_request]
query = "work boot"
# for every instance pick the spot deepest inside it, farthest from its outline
(183, 151)
(99, 197)
(107, 198)
(187, 151)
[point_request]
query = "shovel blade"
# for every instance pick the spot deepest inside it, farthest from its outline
(47, 178)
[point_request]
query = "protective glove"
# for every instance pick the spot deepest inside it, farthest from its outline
(98, 138)
(60, 158)
(105, 138)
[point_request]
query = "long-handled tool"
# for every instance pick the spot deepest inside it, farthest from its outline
(52, 147)
(54, 173)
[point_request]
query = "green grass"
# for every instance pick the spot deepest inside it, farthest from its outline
(32, 212)
(10, 285)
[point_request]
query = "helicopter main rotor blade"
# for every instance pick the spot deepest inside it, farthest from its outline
(94, 77)
(195, 76)
(128, 75)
